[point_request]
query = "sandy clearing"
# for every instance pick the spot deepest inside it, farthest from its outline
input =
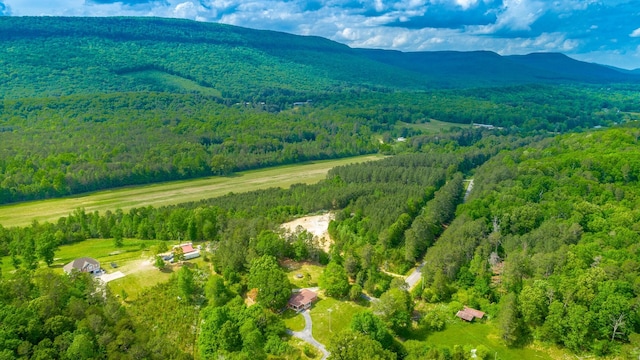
(317, 225)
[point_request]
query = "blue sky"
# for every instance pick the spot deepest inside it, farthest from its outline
(602, 31)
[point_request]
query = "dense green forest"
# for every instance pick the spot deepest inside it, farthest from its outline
(68, 145)
(211, 99)
(546, 243)
(550, 234)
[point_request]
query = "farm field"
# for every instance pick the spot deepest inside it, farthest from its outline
(435, 125)
(172, 193)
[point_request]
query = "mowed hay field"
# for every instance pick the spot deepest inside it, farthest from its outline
(172, 193)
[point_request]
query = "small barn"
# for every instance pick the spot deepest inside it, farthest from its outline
(468, 314)
(302, 300)
(83, 264)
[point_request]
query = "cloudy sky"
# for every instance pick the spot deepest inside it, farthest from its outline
(603, 31)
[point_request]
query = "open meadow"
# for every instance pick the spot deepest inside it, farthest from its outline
(171, 193)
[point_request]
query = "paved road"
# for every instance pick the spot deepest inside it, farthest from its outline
(415, 276)
(306, 335)
(469, 188)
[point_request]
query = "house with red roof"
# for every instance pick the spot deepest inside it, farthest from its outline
(302, 300)
(188, 251)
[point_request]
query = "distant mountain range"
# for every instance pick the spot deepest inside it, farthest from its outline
(51, 56)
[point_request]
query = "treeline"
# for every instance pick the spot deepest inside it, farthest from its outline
(151, 137)
(52, 147)
(50, 316)
(549, 234)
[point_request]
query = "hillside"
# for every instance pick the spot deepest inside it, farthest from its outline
(153, 54)
(176, 99)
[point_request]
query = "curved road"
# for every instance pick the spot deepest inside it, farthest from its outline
(306, 335)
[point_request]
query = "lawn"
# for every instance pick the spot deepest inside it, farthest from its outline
(474, 334)
(303, 348)
(171, 193)
(132, 259)
(331, 316)
(293, 320)
(310, 275)
(102, 250)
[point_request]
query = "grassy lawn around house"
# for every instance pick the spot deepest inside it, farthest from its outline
(487, 334)
(310, 274)
(331, 316)
(134, 259)
(293, 320)
(303, 350)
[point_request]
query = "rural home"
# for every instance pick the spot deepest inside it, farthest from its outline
(302, 300)
(468, 314)
(83, 264)
(188, 251)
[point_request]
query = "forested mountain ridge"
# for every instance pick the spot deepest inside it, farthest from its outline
(179, 99)
(108, 54)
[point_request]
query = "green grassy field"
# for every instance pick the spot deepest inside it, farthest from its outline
(171, 193)
(162, 80)
(331, 316)
(293, 320)
(314, 272)
(102, 250)
(435, 125)
(132, 259)
(474, 334)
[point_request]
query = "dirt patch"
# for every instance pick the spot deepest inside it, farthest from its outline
(110, 277)
(317, 225)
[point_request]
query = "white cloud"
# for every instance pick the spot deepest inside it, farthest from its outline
(635, 33)
(465, 4)
(186, 10)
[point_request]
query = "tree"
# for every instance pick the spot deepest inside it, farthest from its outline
(186, 283)
(395, 307)
(159, 262)
(509, 319)
(334, 280)
(533, 303)
(46, 247)
(81, 348)
(368, 324)
(116, 232)
(355, 292)
(29, 253)
(216, 291)
(274, 289)
(349, 345)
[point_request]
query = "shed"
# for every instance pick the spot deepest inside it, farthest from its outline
(476, 313)
(464, 315)
(302, 300)
(468, 314)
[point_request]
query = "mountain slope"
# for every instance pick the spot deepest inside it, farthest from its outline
(52, 56)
